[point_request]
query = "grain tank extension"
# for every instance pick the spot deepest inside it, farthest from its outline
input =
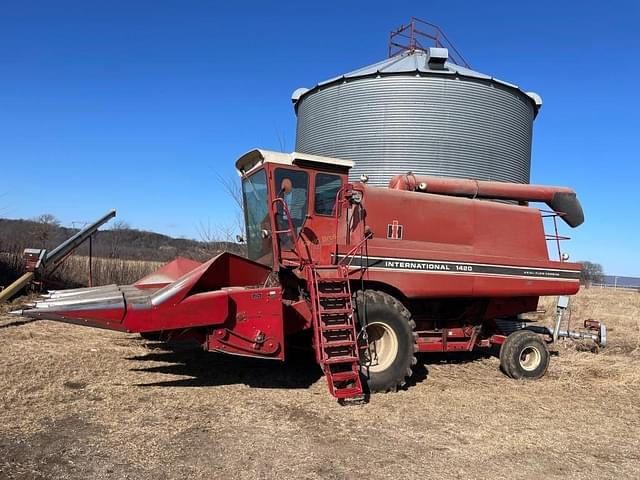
(374, 274)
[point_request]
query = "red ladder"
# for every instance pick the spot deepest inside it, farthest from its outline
(334, 329)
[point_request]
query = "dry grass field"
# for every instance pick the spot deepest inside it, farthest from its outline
(78, 403)
(74, 271)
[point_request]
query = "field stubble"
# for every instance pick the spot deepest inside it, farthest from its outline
(80, 403)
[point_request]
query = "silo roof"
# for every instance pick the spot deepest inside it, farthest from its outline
(431, 61)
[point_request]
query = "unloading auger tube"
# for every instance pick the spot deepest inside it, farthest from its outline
(561, 200)
(42, 260)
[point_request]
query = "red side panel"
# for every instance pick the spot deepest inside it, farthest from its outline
(254, 327)
(429, 246)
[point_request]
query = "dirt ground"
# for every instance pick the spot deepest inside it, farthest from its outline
(78, 403)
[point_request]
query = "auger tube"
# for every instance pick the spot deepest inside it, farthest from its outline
(561, 200)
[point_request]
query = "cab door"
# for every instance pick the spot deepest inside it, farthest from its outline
(291, 188)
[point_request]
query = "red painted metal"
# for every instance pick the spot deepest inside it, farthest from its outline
(168, 273)
(334, 329)
(253, 326)
(561, 200)
(463, 187)
(592, 324)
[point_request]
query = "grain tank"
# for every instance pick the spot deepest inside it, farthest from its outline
(420, 110)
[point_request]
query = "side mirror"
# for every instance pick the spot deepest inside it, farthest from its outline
(265, 233)
(240, 239)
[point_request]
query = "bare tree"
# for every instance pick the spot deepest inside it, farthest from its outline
(282, 141)
(117, 233)
(45, 225)
(221, 237)
(233, 189)
(215, 239)
(591, 273)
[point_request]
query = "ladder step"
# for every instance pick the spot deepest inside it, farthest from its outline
(343, 359)
(336, 311)
(339, 343)
(344, 376)
(332, 295)
(331, 280)
(341, 393)
(336, 326)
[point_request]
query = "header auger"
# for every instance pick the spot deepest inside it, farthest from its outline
(377, 274)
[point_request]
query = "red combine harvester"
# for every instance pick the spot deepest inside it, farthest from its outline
(376, 274)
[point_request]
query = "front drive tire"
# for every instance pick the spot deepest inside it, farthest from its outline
(391, 340)
(524, 355)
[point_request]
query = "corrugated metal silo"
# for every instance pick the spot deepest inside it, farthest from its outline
(419, 112)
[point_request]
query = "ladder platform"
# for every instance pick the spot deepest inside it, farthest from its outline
(326, 267)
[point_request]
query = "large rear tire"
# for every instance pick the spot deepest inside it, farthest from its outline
(386, 364)
(524, 355)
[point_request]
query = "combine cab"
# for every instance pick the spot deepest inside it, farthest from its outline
(376, 274)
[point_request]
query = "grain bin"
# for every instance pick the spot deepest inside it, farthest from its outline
(419, 111)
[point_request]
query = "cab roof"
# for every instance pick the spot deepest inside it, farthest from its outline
(255, 158)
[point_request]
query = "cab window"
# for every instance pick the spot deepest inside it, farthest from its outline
(293, 187)
(256, 216)
(327, 187)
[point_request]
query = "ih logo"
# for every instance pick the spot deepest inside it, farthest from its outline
(394, 231)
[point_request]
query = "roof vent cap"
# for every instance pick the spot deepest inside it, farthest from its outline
(436, 57)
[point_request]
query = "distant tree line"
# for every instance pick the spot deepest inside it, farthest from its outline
(117, 240)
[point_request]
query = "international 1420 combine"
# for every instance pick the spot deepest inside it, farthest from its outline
(375, 274)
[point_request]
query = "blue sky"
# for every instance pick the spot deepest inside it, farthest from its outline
(139, 105)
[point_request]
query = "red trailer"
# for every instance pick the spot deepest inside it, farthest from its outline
(376, 274)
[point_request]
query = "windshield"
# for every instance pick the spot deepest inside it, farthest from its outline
(256, 216)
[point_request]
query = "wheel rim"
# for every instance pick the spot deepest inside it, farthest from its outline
(382, 349)
(530, 358)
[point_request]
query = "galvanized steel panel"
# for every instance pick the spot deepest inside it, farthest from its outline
(443, 125)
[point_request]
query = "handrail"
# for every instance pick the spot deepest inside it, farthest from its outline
(410, 37)
(555, 236)
(340, 200)
(338, 210)
(290, 230)
(352, 253)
